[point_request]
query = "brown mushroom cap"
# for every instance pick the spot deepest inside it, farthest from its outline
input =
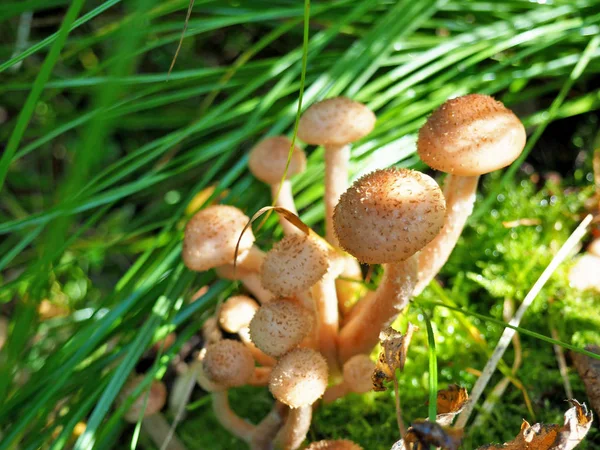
(471, 135)
(299, 378)
(279, 326)
(335, 121)
(294, 264)
(228, 363)
(269, 157)
(340, 444)
(389, 215)
(236, 313)
(153, 400)
(211, 236)
(357, 373)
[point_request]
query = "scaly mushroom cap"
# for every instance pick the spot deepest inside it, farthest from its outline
(340, 444)
(471, 135)
(294, 264)
(335, 121)
(269, 157)
(228, 363)
(236, 313)
(299, 378)
(211, 236)
(357, 373)
(156, 398)
(279, 326)
(389, 215)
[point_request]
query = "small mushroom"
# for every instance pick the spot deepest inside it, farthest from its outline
(357, 373)
(267, 162)
(386, 217)
(148, 406)
(211, 237)
(279, 326)
(334, 123)
(465, 137)
(298, 380)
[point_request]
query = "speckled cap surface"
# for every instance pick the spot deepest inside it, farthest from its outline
(389, 215)
(156, 398)
(294, 264)
(299, 378)
(357, 373)
(471, 135)
(335, 121)
(228, 363)
(339, 444)
(279, 326)
(268, 159)
(237, 312)
(211, 236)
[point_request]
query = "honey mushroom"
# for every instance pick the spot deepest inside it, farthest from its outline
(148, 406)
(465, 137)
(386, 217)
(339, 444)
(297, 264)
(357, 373)
(267, 162)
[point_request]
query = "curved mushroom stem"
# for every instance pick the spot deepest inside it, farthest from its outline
(337, 159)
(460, 193)
(250, 280)
(252, 260)
(349, 291)
(159, 430)
(294, 431)
(337, 391)
(230, 420)
(361, 333)
(260, 377)
(265, 431)
(326, 305)
(285, 199)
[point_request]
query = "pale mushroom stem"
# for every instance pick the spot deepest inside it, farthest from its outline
(361, 332)
(260, 377)
(459, 192)
(336, 391)
(266, 430)
(285, 199)
(230, 420)
(294, 430)
(250, 280)
(159, 430)
(326, 305)
(252, 260)
(349, 291)
(337, 159)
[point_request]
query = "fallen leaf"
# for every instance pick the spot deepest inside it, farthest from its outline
(425, 434)
(589, 371)
(394, 346)
(578, 421)
(450, 402)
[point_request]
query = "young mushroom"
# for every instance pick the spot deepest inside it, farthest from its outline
(301, 262)
(465, 137)
(235, 315)
(211, 237)
(148, 406)
(298, 380)
(386, 217)
(279, 326)
(267, 162)
(334, 123)
(357, 373)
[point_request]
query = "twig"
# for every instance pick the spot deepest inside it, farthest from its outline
(401, 426)
(562, 363)
(508, 333)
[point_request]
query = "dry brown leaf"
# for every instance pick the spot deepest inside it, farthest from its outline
(450, 402)
(394, 346)
(425, 434)
(578, 421)
(589, 371)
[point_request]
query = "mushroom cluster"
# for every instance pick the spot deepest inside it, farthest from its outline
(294, 332)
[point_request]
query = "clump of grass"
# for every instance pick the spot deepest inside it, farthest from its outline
(97, 184)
